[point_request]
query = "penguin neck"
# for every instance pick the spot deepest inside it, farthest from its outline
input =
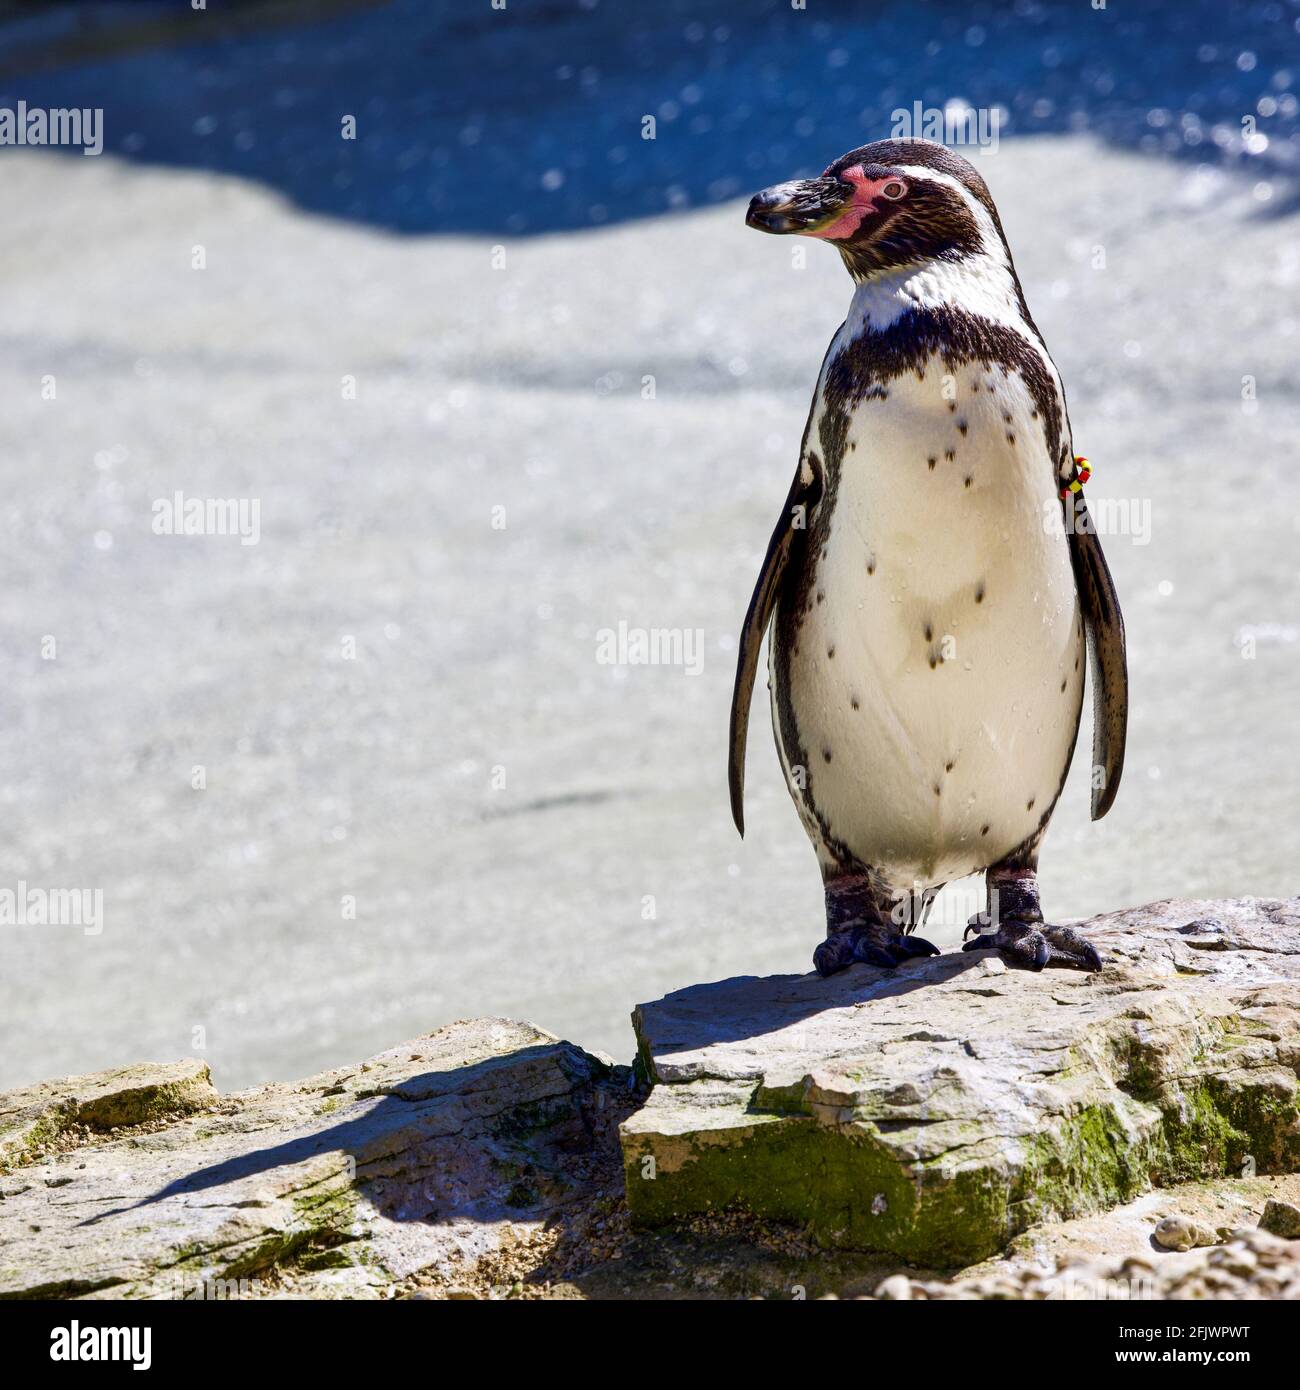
(982, 284)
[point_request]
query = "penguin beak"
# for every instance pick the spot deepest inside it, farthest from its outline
(801, 207)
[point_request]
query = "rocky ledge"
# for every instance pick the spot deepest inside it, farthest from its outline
(415, 1165)
(937, 1111)
(950, 1129)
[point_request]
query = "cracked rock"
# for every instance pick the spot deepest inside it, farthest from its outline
(459, 1141)
(976, 1112)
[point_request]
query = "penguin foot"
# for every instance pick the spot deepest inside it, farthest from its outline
(873, 944)
(1034, 945)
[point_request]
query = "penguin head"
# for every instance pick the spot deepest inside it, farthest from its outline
(885, 205)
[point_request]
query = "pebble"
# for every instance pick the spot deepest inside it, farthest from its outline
(1281, 1219)
(897, 1286)
(1182, 1233)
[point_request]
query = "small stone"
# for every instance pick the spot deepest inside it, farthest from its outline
(897, 1286)
(1182, 1233)
(1281, 1219)
(993, 966)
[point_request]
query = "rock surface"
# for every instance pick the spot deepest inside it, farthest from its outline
(1252, 1264)
(39, 1117)
(935, 1112)
(437, 1153)
(943, 1132)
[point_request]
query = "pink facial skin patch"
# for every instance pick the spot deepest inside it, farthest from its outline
(865, 193)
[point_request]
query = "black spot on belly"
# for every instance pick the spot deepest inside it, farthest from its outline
(984, 830)
(929, 632)
(859, 373)
(871, 565)
(826, 753)
(853, 701)
(938, 790)
(948, 767)
(968, 480)
(1011, 439)
(952, 405)
(932, 461)
(950, 454)
(962, 426)
(830, 653)
(1063, 685)
(821, 597)
(979, 592)
(1006, 415)
(1029, 805)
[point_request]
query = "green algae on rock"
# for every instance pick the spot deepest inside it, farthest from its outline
(936, 1111)
(37, 1117)
(424, 1158)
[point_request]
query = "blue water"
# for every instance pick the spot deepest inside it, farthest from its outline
(530, 119)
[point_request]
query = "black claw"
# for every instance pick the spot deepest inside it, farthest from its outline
(869, 954)
(1034, 946)
(910, 946)
(829, 959)
(872, 945)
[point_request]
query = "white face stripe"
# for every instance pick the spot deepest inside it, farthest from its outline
(989, 237)
(982, 283)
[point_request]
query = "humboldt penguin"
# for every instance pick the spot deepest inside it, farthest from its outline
(934, 579)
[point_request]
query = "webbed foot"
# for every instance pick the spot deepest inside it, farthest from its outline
(872, 944)
(1034, 945)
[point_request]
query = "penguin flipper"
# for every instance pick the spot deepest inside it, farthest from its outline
(805, 493)
(1104, 624)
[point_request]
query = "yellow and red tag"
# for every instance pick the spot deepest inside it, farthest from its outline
(1082, 472)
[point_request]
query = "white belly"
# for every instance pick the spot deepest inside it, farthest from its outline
(937, 677)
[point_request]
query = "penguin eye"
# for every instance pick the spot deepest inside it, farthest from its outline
(894, 189)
